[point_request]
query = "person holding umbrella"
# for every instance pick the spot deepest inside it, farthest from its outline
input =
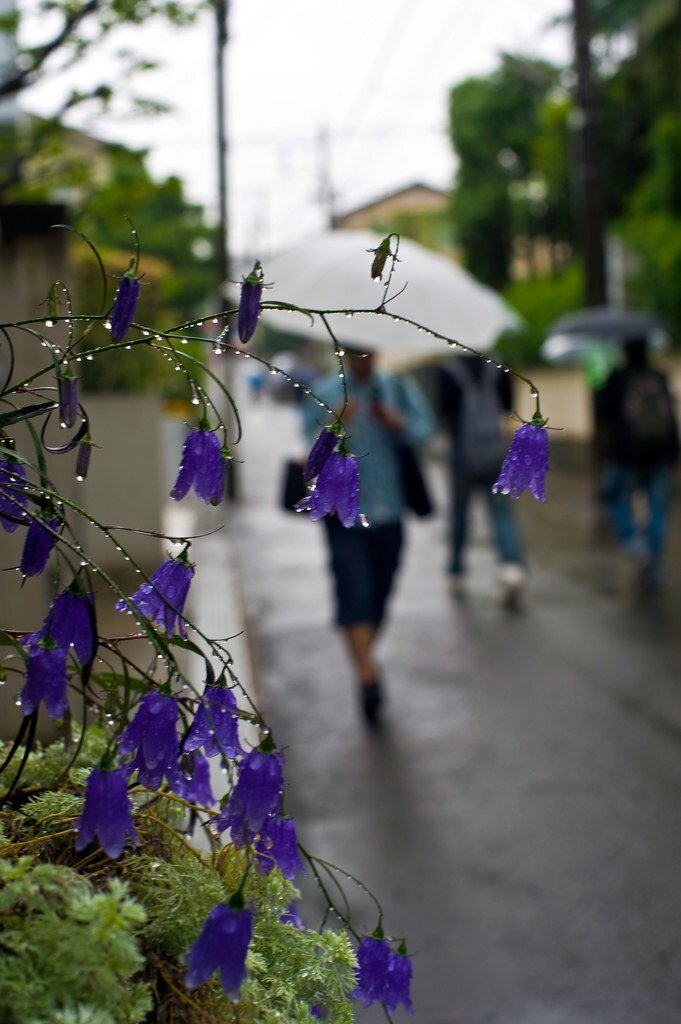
(382, 412)
(639, 437)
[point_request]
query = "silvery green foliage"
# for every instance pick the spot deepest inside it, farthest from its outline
(73, 949)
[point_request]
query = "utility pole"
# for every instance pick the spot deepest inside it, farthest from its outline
(223, 261)
(589, 177)
(326, 195)
(222, 35)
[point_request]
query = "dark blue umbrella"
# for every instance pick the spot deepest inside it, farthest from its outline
(577, 334)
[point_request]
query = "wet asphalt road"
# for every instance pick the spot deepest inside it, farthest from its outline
(519, 815)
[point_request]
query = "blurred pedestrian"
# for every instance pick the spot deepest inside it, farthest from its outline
(473, 397)
(639, 436)
(256, 381)
(382, 412)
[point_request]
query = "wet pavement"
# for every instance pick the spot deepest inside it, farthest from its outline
(519, 814)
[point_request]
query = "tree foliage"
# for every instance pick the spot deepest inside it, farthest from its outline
(108, 189)
(514, 134)
(72, 30)
(493, 125)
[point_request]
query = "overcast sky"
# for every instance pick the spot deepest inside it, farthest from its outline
(348, 99)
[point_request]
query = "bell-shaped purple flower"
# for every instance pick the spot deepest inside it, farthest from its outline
(201, 468)
(222, 945)
(45, 679)
(13, 499)
(162, 598)
(124, 304)
(526, 463)
(193, 785)
(107, 813)
(383, 976)
(38, 546)
(68, 399)
(70, 622)
(336, 490)
(153, 735)
(249, 303)
(277, 846)
(256, 795)
(319, 453)
(216, 724)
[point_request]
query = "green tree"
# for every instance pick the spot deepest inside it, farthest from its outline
(493, 125)
(652, 225)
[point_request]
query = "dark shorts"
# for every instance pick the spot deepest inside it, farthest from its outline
(363, 562)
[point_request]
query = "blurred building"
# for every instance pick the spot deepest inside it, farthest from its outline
(416, 211)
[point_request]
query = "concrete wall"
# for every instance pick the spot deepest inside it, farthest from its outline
(127, 485)
(32, 256)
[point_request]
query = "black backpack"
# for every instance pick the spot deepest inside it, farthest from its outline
(648, 413)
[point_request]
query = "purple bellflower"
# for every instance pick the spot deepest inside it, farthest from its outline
(336, 490)
(526, 463)
(125, 302)
(277, 846)
(38, 546)
(162, 598)
(216, 724)
(45, 679)
(256, 795)
(153, 735)
(195, 787)
(107, 813)
(222, 945)
(201, 468)
(13, 498)
(319, 453)
(70, 621)
(384, 976)
(68, 399)
(249, 303)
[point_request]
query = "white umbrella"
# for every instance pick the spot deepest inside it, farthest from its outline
(332, 271)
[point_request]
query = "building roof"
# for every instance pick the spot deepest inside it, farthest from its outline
(416, 196)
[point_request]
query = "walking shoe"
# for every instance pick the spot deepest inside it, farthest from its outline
(371, 698)
(512, 579)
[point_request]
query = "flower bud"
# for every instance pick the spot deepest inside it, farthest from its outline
(249, 303)
(83, 458)
(68, 399)
(125, 303)
(381, 254)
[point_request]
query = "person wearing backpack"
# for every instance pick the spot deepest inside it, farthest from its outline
(473, 396)
(639, 438)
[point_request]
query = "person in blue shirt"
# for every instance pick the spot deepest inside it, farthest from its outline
(382, 412)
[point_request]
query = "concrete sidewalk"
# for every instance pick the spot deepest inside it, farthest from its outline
(518, 816)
